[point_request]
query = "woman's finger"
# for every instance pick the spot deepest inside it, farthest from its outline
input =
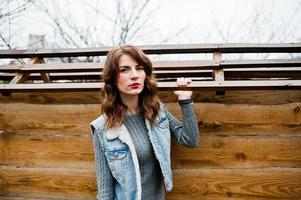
(183, 82)
(188, 80)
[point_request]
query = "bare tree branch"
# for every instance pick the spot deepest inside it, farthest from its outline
(64, 34)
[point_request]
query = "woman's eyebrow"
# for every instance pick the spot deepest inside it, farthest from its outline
(126, 66)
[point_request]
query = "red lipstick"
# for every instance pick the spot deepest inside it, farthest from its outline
(135, 85)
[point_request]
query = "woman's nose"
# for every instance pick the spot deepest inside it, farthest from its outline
(134, 73)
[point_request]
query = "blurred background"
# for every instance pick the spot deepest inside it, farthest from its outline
(95, 23)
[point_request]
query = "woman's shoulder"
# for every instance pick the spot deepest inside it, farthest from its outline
(162, 106)
(98, 123)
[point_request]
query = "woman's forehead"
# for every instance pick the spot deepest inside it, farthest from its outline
(127, 60)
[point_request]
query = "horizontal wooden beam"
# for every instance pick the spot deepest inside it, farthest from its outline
(10, 68)
(260, 63)
(233, 73)
(158, 65)
(195, 85)
(98, 66)
(161, 49)
(196, 74)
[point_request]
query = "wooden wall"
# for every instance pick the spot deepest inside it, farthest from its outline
(250, 146)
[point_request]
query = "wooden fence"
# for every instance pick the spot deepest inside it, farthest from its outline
(248, 113)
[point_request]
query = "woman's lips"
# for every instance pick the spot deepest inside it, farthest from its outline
(135, 85)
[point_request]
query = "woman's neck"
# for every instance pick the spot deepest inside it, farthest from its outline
(132, 103)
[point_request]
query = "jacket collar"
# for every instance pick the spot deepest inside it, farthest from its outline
(116, 132)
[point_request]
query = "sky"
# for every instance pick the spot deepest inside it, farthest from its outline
(166, 21)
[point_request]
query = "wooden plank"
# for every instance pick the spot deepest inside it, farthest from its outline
(270, 69)
(63, 67)
(79, 76)
(260, 63)
(59, 149)
(74, 118)
(218, 73)
(239, 151)
(291, 73)
(47, 150)
(162, 65)
(51, 87)
(166, 75)
(232, 85)
(236, 74)
(217, 118)
(258, 97)
(163, 86)
(55, 183)
(53, 118)
(45, 77)
(10, 68)
(218, 197)
(251, 184)
(207, 113)
(19, 78)
(262, 75)
(259, 47)
(21, 198)
(160, 49)
(55, 98)
(82, 67)
(219, 115)
(22, 77)
(184, 65)
(254, 183)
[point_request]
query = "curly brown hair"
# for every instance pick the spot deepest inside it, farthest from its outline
(112, 106)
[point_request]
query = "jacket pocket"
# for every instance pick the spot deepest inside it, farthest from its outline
(118, 160)
(117, 154)
(162, 122)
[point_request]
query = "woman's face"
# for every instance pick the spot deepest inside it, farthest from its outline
(131, 77)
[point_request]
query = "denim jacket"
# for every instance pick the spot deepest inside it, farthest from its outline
(122, 158)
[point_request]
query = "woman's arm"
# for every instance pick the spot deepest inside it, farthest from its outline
(104, 177)
(186, 132)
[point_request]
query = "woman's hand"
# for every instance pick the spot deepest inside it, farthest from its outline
(183, 83)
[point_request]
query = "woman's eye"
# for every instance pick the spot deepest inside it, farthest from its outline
(123, 70)
(140, 68)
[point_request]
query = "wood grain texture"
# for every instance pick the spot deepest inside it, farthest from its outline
(54, 183)
(250, 147)
(69, 118)
(239, 152)
(166, 85)
(46, 151)
(231, 97)
(20, 198)
(16, 116)
(221, 114)
(213, 152)
(254, 183)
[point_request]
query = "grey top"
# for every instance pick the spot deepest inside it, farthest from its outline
(151, 176)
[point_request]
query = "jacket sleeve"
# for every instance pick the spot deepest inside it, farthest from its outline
(186, 132)
(105, 180)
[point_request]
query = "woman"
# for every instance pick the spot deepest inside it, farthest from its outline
(132, 136)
